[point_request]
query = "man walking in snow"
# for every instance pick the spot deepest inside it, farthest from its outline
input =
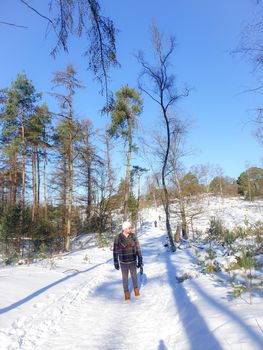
(127, 255)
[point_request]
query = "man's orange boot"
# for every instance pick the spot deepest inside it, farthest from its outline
(127, 296)
(136, 292)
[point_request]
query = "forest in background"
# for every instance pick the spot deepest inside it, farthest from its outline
(57, 173)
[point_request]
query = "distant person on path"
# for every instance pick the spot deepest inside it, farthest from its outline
(127, 255)
(155, 223)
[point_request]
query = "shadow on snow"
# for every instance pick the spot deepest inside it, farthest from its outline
(44, 289)
(246, 328)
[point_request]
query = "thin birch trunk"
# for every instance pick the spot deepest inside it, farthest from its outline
(34, 183)
(45, 182)
(38, 183)
(166, 195)
(23, 162)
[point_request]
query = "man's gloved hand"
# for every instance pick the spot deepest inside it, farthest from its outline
(139, 263)
(117, 266)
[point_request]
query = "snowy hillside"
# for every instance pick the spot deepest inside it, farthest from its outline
(75, 301)
(231, 211)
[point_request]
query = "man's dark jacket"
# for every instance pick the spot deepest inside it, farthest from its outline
(126, 249)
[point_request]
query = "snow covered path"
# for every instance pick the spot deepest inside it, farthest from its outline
(87, 310)
(106, 321)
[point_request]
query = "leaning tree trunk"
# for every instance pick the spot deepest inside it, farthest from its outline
(166, 195)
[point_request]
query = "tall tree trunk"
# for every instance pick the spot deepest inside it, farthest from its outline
(166, 195)
(109, 188)
(13, 180)
(38, 181)
(126, 189)
(11, 186)
(89, 180)
(89, 197)
(45, 181)
(64, 219)
(70, 199)
(138, 199)
(23, 164)
(109, 174)
(69, 205)
(33, 157)
(127, 176)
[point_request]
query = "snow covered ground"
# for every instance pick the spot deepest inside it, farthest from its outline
(75, 301)
(232, 211)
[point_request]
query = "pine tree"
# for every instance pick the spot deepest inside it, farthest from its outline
(37, 136)
(20, 105)
(127, 107)
(67, 79)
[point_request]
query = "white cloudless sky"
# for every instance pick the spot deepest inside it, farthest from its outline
(205, 31)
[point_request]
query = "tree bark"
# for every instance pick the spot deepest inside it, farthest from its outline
(33, 157)
(38, 182)
(23, 163)
(45, 181)
(64, 219)
(109, 189)
(127, 177)
(70, 198)
(166, 195)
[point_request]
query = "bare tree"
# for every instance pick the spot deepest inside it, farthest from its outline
(204, 173)
(162, 91)
(219, 172)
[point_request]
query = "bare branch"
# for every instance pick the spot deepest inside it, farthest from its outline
(12, 24)
(37, 12)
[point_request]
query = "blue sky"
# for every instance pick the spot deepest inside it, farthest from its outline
(205, 30)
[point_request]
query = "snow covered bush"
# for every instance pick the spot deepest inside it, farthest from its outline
(228, 263)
